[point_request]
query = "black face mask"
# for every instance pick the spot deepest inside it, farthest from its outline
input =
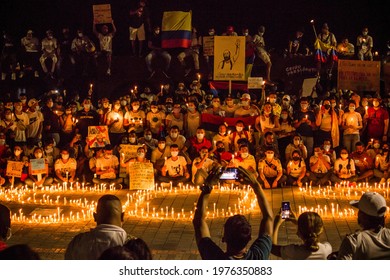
(220, 150)
(385, 150)
(296, 158)
(327, 106)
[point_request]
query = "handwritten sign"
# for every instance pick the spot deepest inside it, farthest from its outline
(208, 45)
(14, 168)
(141, 176)
(38, 166)
(127, 151)
(102, 13)
(98, 136)
(359, 75)
(255, 82)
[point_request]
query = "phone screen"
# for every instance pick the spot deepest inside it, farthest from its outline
(285, 210)
(229, 174)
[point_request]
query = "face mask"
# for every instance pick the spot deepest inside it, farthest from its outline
(211, 33)
(297, 142)
(68, 112)
(239, 128)
(327, 147)
(365, 103)
(17, 153)
(2, 142)
(65, 157)
(286, 103)
(261, 33)
(157, 32)
(191, 109)
(200, 136)
(154, 110)
(333, 105)
(148, 137)
(385, 151)
(222, 133)
(117, 107)
(220, 150)
(375, 103)
(50, 104)
(377, 145)
(37, 108)
(284, 116)
(270, 156)
(8, 117)
(161, 146)
(351, 109)
(216, 104)
(87, 106)
(49, 150)
(176, 110)
(229, 102)
(304, 106)
(344, 156)
(244, 155)
(245, 103)
(23, 101)
(141, 155)
(272, 100)
(202, 155)
(327, 106)
(38, 155)
(297, 158)
(80, 34)
(123, 102)
(135, 107)
(174, 154)
(181, 88)
(174, 134)
(132, 140)
(365, 33)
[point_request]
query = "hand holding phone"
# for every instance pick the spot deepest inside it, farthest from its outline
(285, 210)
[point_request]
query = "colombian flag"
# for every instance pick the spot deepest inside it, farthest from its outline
(176, 29)
(324, 51)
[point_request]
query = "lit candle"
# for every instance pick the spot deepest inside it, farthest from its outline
(162, 87)
(199, 77)
(90, 86)
(366, 109)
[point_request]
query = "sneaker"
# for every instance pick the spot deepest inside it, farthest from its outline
(13, 76)
(21, 74)
(108, 72)
(36, 74)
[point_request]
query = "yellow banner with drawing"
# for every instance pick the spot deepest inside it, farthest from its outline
(229, 58)
(359, 75)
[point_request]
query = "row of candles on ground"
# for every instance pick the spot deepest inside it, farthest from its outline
(334, 211)
(345, 190)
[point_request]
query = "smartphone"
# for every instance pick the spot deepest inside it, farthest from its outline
(230, 174)
(285, 209)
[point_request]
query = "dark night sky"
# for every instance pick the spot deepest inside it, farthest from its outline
(280, 17)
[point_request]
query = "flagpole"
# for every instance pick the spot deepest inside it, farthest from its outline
(314, 29)
(230, 87)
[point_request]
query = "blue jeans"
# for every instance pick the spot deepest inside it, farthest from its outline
(349, 141)
(309, 143)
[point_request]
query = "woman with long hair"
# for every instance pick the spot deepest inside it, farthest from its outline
(327, 122)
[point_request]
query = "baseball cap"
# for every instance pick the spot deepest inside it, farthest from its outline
(286, 96)
(371, 203)
(246, 95)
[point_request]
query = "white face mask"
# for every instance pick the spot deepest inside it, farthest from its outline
(200, 136)
(174, 134)
(148, 137)
(87, 106)
(222, 133)
(272, 100)
(377, 145)
(244, 155)
(117, 107)
(161, 146)
(326, 147)
(245, 103)
(284, 116)
(17, 153)
(365, 33)
(270, 156)
(123, 102)
(344, 156)
(141, 155)
(65, 157)
(174, 154)
(154, 110)
(297, 142)
(230, 102)
(304, 106)
(239, 128)
(8, 117)
(351, 109)
(135, 107)
(132, 139)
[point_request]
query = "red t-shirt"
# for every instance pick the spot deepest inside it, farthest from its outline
(376, 122)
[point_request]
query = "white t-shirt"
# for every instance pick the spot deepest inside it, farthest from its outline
(35, 120)
(64, 167)
(351, 118)
(116, 126)
(105, 42)
(21, 121)
(342, 168)
(296, 168)
(104, 164)
(299, 252)
(175, 167)
(155, 120)
(207, 165)
(136, 118)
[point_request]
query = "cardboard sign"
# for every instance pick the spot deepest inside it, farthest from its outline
(14, 168)
(128, 151)
(308, 86)
(98, 136)
(208, 45)
(141, 176)
(359, 75)
(255, 82)
(102, 13)
(38, 166)
(229, 58)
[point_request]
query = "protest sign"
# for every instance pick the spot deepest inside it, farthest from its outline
(126, 152)
(208, 45)
(102, 13)
(38, 166)
(98, 136)
(141, 176)
(14, 168)
(229, 58)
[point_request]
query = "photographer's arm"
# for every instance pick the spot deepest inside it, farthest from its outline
(199, 222)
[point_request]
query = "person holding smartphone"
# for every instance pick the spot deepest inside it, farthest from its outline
(237, 230)
(310, 227)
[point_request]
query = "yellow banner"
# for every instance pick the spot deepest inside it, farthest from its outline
(229, 58)
(359, 75)
(102, 13)
(176, 20)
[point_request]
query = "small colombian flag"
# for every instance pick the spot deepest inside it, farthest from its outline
(176, 29)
